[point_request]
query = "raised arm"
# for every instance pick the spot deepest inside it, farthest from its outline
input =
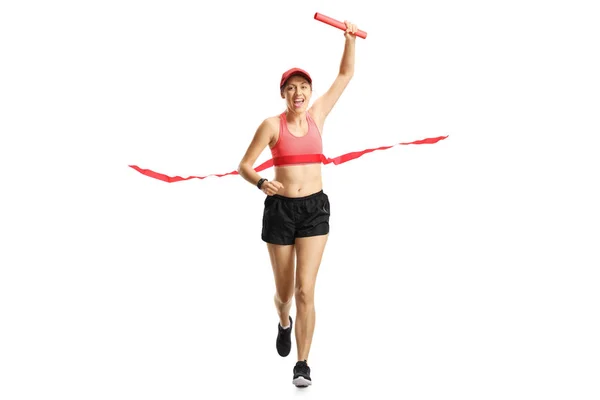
(324, 104)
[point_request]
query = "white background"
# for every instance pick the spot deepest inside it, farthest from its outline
(467, 269)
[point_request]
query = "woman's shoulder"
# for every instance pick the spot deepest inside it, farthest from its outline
(271, 122)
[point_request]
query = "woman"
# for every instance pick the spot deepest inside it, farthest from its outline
(296, 214)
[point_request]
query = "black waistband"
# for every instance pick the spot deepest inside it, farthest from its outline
(278, 196)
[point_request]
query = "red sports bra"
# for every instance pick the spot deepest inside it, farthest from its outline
(291, 149)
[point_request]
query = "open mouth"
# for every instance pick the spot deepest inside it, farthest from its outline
(298, 102)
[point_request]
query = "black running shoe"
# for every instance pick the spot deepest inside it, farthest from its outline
(302, 374)
(284, 339)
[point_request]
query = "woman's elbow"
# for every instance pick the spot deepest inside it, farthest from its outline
(242, 168)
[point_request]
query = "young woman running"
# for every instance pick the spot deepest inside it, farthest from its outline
(296, 214)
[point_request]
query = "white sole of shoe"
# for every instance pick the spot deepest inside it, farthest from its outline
(301, 382)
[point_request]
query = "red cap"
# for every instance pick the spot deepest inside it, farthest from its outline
(294, 71)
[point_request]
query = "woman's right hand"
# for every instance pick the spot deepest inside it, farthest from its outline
(271, 187)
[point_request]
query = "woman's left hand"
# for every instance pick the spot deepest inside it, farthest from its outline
(351, 30)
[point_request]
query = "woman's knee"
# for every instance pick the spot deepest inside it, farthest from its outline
(305, 295)
(284, 298)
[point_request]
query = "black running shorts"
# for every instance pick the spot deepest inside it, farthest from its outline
(287, 218)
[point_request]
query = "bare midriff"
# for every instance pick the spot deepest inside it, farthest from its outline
(299, 180)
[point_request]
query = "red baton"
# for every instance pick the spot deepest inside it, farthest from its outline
(338, 24)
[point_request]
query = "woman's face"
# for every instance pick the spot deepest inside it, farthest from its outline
(297, 92)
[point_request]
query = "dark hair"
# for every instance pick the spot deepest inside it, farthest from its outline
(291, 76)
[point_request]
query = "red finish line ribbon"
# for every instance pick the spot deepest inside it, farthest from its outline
(287, 160)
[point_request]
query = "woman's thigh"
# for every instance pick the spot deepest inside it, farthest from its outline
(283, 263)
